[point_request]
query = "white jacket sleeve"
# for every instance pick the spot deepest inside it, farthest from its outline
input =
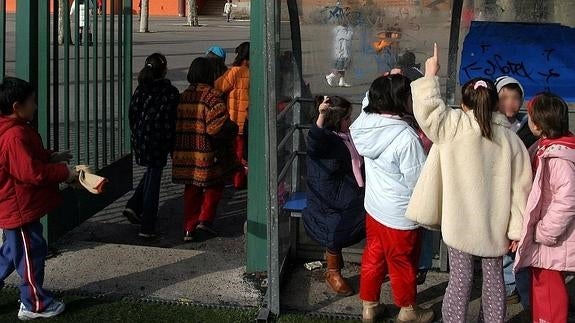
(521, 181)
(437, 121)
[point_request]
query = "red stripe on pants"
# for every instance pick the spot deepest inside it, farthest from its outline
(390, 251)
(29, 270)
(549, 298)
(240, 178)
(200, 205)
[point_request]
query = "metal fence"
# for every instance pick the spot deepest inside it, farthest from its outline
(80, 62)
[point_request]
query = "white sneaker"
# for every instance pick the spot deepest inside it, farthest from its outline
(342, 83)
(55, 308)
(330, 79)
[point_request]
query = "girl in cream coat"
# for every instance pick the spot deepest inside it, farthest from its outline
(474, 186)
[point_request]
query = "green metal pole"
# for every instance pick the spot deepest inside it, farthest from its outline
(258, 176)
(120, 83)
(27, 41)
(95, 105)
(43, 85)
(104, 101)
(127, 92)
(112, 82)
(67, 37)
(55, 63)
(77, 129)
(3, 38)
(86, 39)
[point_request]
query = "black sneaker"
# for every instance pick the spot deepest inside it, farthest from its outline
(132, 216)
(207, 228)
(421, 276)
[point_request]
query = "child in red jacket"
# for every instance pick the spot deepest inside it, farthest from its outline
(29, 177)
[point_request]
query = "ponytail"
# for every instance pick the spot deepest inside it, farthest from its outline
(242, 54)
(154, 69)
(480, 95)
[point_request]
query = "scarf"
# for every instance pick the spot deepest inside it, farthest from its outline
(566, 141)
(356, 159)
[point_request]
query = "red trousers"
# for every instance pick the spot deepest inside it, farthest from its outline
(200, 205)
(549, 298)
(393, 252)
(240, 177)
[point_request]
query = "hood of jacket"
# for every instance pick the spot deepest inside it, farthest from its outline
(7, 123)
(373, 133)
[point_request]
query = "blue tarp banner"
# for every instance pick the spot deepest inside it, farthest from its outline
(540, 56)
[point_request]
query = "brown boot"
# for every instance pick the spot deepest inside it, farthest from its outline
(333, 275)
(371, 311)
(414, 314)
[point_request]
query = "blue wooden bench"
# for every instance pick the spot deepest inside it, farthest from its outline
(295, 205)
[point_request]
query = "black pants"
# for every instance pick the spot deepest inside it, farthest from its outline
(145, 200)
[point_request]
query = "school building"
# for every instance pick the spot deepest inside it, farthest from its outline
(167, 7)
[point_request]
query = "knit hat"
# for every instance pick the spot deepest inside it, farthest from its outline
(217, 50)
(502, 81)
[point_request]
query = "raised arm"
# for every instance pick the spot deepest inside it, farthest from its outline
(437, 121)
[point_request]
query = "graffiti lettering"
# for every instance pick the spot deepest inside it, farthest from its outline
(548, 52)
(497, 65)
(550, 74)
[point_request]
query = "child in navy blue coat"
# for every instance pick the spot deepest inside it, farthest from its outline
(335, 216)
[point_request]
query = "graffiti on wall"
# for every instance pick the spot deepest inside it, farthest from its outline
(538, 55)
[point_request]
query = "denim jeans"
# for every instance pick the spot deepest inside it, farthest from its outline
(146, 198)
(519, 281)
(508, 274)
(426, 256)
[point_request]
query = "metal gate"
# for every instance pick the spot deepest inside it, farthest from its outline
(83, 87)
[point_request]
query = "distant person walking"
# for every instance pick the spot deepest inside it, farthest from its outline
(228, 8)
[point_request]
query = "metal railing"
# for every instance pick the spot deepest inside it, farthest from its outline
(83, 88)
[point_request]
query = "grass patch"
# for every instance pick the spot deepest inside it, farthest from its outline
(88, 309)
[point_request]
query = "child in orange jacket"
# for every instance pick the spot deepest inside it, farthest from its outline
(235, 84)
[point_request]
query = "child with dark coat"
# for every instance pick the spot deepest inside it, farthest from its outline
(152, 117)
(335, 216)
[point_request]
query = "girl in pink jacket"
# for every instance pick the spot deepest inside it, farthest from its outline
(548, 238)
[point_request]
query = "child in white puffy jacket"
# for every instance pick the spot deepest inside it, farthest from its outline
(393, 158)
